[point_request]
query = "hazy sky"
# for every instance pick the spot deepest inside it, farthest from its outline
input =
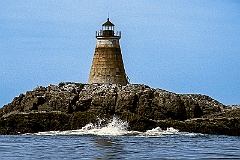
(183, 46)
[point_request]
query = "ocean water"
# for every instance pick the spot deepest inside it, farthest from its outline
(112, 140)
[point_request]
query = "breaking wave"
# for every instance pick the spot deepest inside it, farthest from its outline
(113, 127)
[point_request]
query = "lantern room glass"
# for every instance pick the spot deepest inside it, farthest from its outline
(108, 28)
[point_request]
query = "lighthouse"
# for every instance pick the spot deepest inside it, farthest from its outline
(107, 64)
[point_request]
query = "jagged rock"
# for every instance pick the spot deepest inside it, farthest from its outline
(143, 107)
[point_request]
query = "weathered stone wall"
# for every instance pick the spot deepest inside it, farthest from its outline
(107, 64)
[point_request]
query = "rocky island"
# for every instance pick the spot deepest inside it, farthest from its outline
(73, 105)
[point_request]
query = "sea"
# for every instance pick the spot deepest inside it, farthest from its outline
(113, 140)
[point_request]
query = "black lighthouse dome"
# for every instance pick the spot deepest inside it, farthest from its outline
(108, 28)
(108, 25)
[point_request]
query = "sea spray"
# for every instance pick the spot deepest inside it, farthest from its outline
(112, 127)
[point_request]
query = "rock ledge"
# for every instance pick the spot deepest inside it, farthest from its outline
(72, 105)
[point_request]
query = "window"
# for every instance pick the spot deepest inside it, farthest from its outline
(117, 71)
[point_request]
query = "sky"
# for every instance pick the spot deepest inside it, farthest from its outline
(183, 46)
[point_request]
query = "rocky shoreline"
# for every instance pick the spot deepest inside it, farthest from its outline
(73, 105)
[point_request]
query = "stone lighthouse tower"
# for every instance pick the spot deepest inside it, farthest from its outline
(107, 65)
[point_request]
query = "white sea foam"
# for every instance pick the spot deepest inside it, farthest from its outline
(114, 127)
(157, 132)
